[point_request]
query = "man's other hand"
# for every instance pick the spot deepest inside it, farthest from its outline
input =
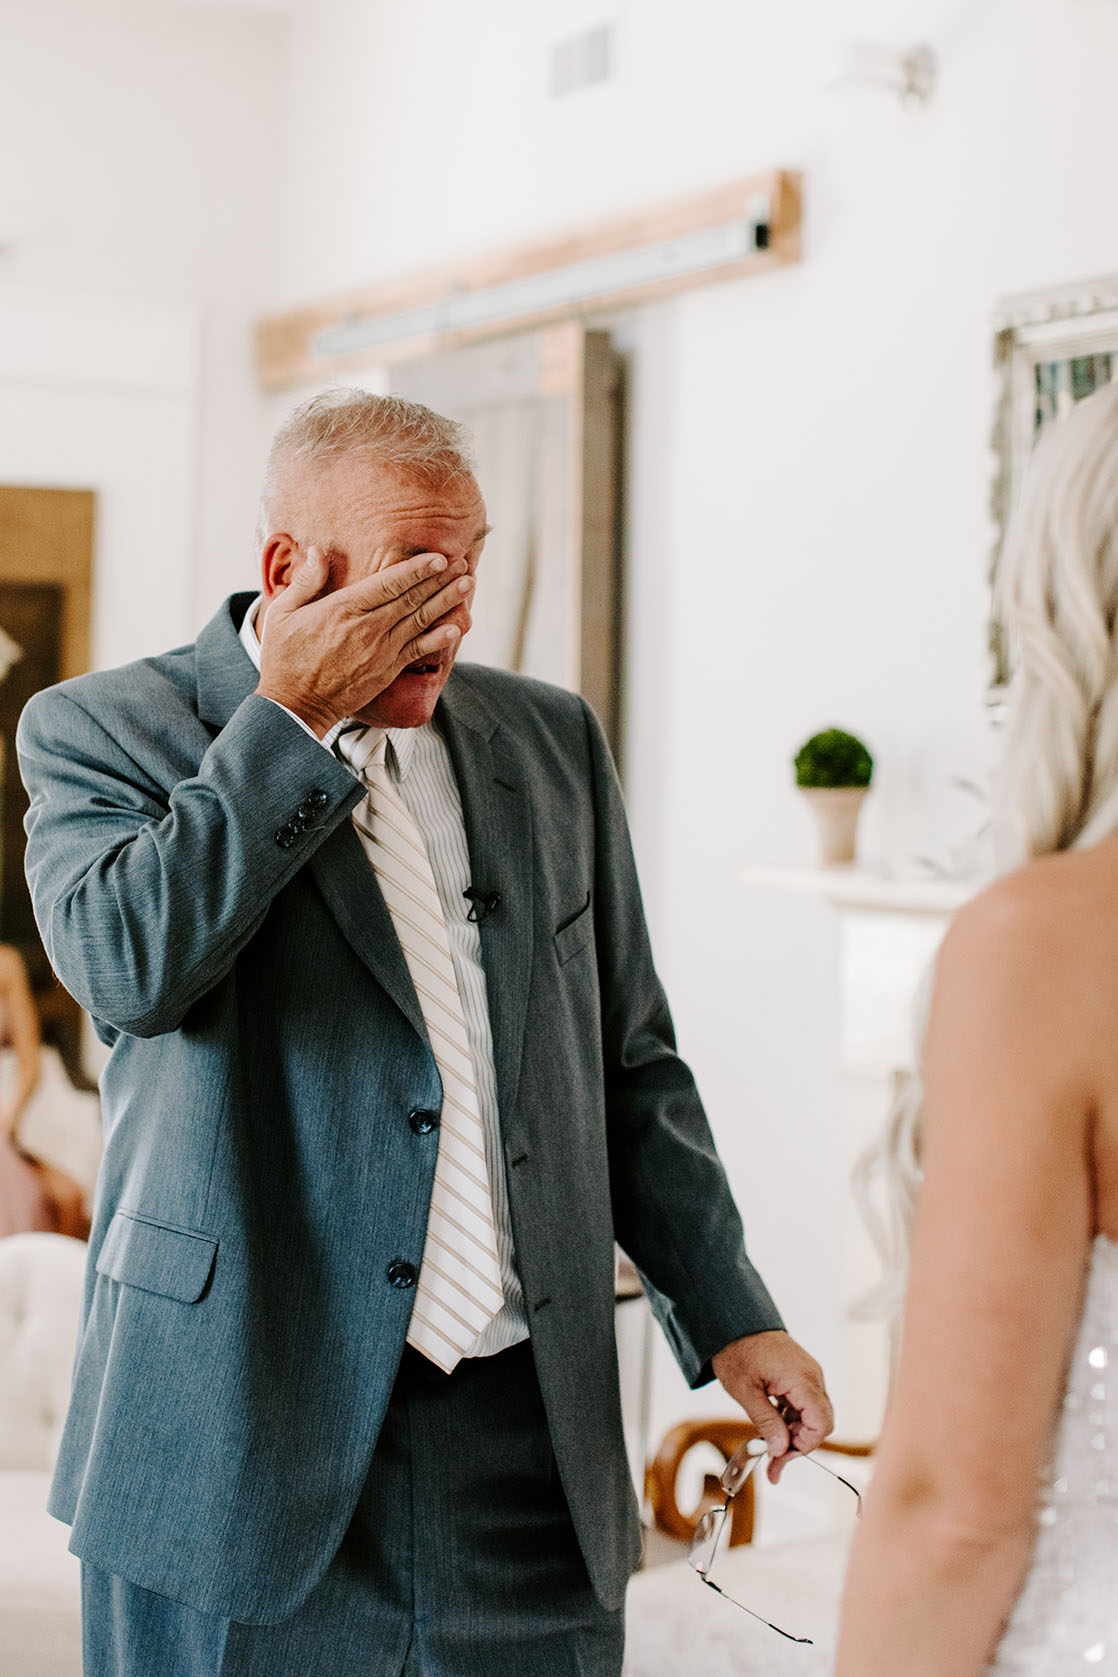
(781, 1389)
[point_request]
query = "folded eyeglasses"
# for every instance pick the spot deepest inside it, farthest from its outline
(708, 1532)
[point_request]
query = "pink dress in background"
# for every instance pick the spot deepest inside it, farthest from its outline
(23, 1205)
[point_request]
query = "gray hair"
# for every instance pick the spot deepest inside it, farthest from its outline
(395, 434)
(1057, 788)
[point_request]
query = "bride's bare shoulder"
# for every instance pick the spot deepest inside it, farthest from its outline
(1073, 888)
(1046, 934)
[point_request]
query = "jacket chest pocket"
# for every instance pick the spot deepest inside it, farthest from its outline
(574, 933)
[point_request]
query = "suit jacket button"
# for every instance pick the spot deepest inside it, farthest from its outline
(318, 799)
(423, 1122)
(401, 1274)
(306, 813)
(287, 835)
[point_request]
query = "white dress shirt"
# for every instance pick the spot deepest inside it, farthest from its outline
(419, 762)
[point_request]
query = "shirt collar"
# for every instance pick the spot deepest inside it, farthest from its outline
(248, 631)
(402, 740)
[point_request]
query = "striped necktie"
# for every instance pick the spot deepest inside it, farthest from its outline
(459, 1287)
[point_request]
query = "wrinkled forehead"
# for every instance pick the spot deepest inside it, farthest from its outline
(372, 488)
(359, 502)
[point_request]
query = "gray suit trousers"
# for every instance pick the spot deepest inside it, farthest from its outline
(460, 1561)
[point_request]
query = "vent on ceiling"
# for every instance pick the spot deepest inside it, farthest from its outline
(582, 60)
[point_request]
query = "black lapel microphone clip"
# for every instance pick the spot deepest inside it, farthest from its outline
(481, 902)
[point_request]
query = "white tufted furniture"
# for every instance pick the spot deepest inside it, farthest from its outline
(40, 1293)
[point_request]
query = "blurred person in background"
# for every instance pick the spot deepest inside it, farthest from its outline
(389, 1070)
(34, 1195)
(990, 1537)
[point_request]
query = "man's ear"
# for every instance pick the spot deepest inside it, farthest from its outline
(282, 556)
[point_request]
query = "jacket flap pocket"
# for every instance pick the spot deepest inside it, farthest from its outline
(574, 933)
(156, 1258)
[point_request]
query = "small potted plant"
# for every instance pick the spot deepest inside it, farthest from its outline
(834, 770)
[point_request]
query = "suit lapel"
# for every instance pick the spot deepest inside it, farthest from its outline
(345, 877)
(498, 819)
(339, 867)
(223, 669)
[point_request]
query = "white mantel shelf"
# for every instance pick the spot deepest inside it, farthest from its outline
(865, 892)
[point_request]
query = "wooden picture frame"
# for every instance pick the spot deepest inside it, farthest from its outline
(46, 590)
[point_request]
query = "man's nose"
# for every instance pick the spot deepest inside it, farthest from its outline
(461, 617)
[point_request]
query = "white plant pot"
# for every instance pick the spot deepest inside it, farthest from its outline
(836, 810)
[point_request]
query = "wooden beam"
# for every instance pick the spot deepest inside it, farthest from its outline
(289, 350)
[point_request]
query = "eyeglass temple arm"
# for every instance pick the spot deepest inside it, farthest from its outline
(711, 1585)
(755, 1456)
(823, 1468)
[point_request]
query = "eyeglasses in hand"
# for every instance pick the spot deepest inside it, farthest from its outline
(708, 1532)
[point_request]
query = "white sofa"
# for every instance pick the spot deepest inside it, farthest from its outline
(40, 1293)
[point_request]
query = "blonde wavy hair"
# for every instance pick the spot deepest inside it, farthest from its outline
(1057, 787)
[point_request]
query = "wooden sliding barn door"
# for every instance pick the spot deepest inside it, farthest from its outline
(543, 409)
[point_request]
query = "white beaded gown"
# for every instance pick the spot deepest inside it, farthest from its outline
(1065, 1623)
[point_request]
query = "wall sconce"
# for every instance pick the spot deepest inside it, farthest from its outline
(910, 74)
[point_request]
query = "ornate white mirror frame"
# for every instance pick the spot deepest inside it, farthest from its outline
(1051, 348)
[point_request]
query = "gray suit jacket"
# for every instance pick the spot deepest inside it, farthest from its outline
(201, 890)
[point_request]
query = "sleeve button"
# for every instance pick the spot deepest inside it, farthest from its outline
(317, 799)
(286, 836)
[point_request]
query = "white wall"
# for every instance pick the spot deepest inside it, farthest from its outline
(143, 146)
(807, 528)
(104, 395)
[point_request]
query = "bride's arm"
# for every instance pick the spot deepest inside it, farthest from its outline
(995, 1293)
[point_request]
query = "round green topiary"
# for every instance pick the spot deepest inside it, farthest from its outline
(833, 758)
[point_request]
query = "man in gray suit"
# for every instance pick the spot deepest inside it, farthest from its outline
(346, 1394)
